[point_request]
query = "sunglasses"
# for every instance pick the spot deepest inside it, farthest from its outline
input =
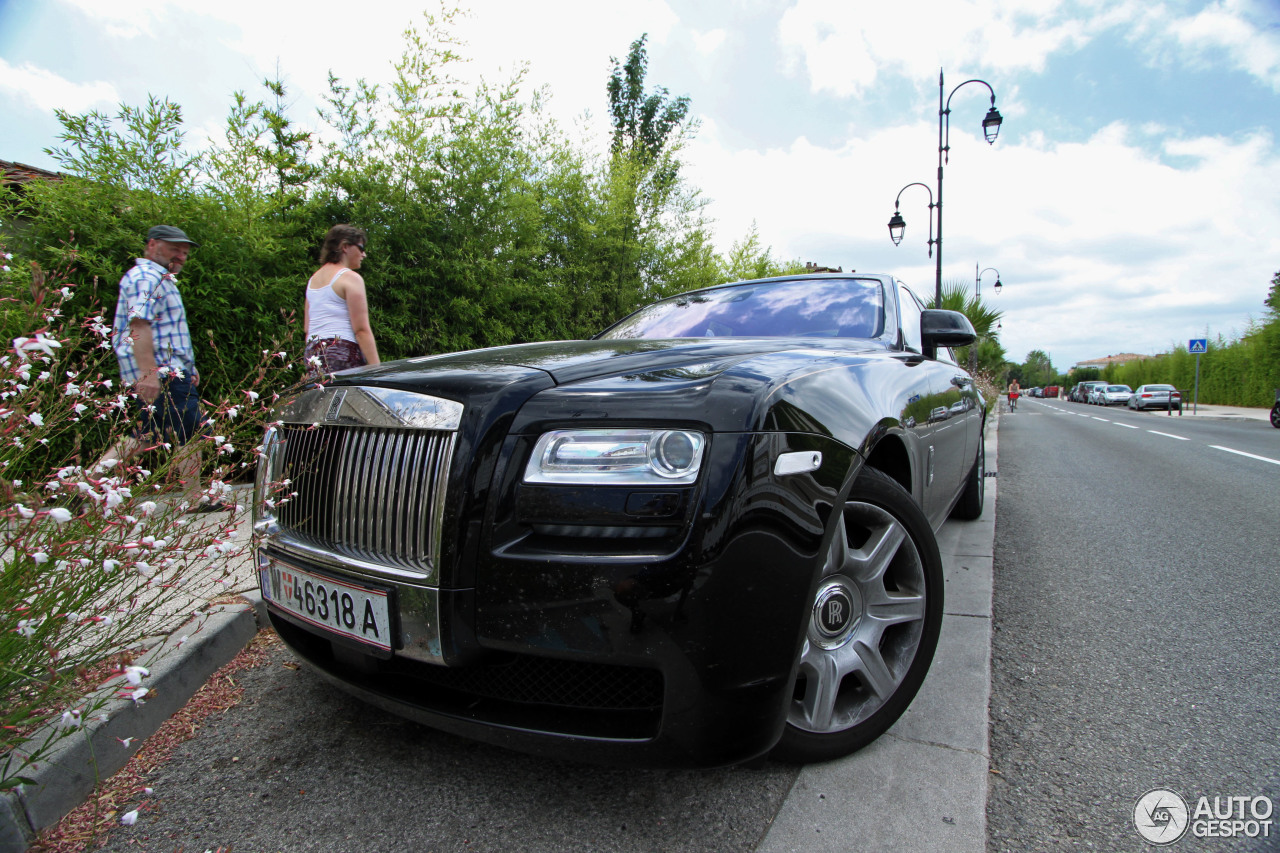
(360, 246)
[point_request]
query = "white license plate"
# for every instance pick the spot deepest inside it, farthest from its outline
(359, 612)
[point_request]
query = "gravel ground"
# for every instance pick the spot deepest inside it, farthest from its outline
(299, 766)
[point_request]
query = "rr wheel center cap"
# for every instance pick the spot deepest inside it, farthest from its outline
(837, 609)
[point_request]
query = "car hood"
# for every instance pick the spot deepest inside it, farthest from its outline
(722, 384)
(567, 362)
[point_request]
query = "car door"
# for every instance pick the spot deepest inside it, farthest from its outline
(943, 437)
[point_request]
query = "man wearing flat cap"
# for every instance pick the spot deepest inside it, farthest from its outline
(153, 347)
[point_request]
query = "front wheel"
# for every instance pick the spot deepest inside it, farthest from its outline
(873, 625)
(1275, 416)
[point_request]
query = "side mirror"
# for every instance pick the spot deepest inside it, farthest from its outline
(940, 328)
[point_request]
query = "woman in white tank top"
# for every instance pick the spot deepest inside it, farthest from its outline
(335, 315)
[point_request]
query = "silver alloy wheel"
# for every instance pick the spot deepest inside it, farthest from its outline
(852, 663)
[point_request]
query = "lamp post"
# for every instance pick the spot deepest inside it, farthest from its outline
(977, 280)
(898, 225)
(990, 129)
(977, 293)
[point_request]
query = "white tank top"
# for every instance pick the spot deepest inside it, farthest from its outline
(328, 313)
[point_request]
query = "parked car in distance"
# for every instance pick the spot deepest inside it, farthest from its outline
(1087, 389)
(1155, 397)
(1114, 395)
(703, 536)
(1050, 392)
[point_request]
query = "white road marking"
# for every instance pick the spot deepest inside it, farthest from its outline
(1126, 426)
(1104, 420)
(1250, 455)
(1168, 435)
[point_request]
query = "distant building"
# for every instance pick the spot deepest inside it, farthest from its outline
(1107, 361)
(810, 266)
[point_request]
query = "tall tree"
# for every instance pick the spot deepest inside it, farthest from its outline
(642, 123)
(654, 233)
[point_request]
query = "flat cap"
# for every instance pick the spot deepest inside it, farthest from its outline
(170, 234)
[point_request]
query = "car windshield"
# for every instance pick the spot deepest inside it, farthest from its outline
(1120, 388)
(1159, 387)
(826, 308)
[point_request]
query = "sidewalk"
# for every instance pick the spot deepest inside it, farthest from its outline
(1224, 412)
(922, 786)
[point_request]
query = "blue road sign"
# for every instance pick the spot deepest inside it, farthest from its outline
(1198, 345)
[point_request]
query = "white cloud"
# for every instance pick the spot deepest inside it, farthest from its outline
(1225, 27)
(844, 46)
(46, 91)
(708, 42)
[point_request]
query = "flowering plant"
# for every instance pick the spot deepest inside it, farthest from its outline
(97, 556)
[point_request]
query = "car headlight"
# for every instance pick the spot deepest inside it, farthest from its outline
(270, 454)
(616, 457)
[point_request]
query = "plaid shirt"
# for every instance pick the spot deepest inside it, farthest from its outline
(149, 292)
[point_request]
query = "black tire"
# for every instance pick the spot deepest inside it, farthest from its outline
(969, 506)
(1275, 416)
(856, 676)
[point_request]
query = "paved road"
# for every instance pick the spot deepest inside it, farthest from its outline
(1135, 623)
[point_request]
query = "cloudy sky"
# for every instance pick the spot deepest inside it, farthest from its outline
(1131, 202)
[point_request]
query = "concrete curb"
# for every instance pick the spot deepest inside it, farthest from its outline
(67, 777)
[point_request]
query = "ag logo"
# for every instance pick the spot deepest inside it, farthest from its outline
(1161, 816)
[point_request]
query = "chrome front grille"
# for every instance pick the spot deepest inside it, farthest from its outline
(376, 494)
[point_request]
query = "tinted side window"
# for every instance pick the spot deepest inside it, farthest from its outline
(910, 310)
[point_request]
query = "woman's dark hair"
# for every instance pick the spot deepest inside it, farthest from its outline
(338, 236)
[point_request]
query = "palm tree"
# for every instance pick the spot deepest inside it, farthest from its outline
(959, 296)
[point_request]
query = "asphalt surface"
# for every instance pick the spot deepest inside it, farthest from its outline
(922, 786)
(1135, 632)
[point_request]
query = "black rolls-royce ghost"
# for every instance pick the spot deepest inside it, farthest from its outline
(703, 536)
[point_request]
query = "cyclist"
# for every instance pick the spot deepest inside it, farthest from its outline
(1014, 391)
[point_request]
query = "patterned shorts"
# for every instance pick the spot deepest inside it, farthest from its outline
(334, 353)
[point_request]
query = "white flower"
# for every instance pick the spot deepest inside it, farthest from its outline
(71, 390)
(135, 674)
(36, 418)
(110, 565)
(59, 514)
(136, 695)
(39, 342)
(27, 627)
(129, 818)
(40, 557)
(23, 511)
(125, 741)
(232, 412)
(252, 395)
(71, 719)
(81, 408)
(147, 507)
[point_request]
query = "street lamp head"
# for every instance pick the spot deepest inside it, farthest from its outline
(897, 227)
(991, 124)
(999, 286)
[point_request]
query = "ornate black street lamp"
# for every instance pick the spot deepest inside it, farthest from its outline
(898, 225)
(990, 129)
(977, 293)
(977, 280)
